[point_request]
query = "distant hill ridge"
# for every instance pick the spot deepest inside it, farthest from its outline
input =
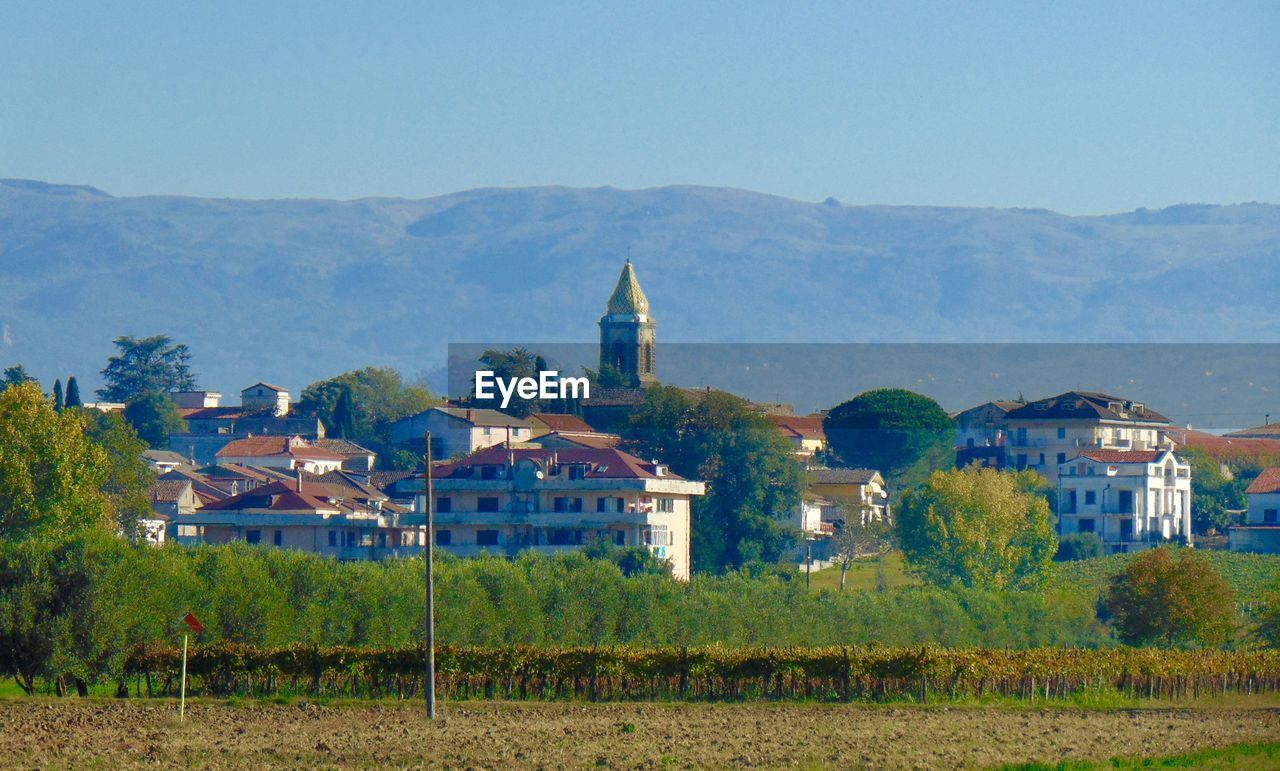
(294, 290)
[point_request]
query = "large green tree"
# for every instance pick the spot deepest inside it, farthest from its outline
(154, 416)
(129, 476)
(148, 365)
(753, 481)
(15, 375)
(51, 474)
(1160, 600)
(978, 527)
(1215, 492)
(364, 403)
(888, 429)
(72, 399)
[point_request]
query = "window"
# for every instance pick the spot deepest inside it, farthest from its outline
(658, 535)
(1085, 526)
(488, 472)
(1062, 458)
(1269, 516)
(1090, 497)
(577, 472)
(561, 536)
(253, 536)
(666, 505)
(1041, 463)
(333, 537)
(444, 504)
(277, 538)
(351, 538)
(488, 431)
(563, 505)
(487, 537)
(444, 538)
(487, 505)
(619, 505)
(1062, 433)
(1022, 460)
(602, 504)
(188, 531)
(619, 537)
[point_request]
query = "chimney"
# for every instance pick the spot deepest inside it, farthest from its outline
(299, 470)
(471, 415)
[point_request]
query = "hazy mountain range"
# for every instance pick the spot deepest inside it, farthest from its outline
(295, 290)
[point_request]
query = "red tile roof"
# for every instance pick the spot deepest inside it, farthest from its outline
(605, 463)
(1229, 446)
(562, 422)
(266, 446)
(1267, 482)
(1123, 456)
(279, 496)
(799, 426)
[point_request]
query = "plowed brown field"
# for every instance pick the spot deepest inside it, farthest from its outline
(108, 734)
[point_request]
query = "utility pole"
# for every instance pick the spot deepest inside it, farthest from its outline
(431, 587)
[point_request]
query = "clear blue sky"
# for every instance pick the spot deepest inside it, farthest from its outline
(1078, 107)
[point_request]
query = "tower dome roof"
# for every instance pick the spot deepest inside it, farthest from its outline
(627, 296)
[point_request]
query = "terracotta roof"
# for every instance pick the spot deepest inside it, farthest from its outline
(384, 479)
(1268, 431)
(268, 446)
(604, 463)
(802, 427)
(235, 470)
(562, 422)
(1086, 405)
(279, 496)
(1267, 482)
(1123, 456)
(840, 476)
(1226, 446)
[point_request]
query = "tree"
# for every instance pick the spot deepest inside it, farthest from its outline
(15, 375)
(887, 429)
(858, 538)
(1079, 546)
(51, 475)
(1214, 492)
(977, 527)
(753, 480)
(1164, 601)
(154, 416)
(129, 476)
(57, 395)
(1267, 630)
(72, 399)
(376, 398)
(149, 365)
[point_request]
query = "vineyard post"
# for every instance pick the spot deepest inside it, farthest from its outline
(431, 620)
(182, 693)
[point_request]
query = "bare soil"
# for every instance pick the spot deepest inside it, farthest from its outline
(49, 733)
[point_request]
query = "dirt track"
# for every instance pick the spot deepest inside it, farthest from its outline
(49, 733)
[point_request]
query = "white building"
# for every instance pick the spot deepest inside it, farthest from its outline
(504, 501)
(1047, 433)
(1261, 529)
(458, 431)
(1132, 500)
(267, 397)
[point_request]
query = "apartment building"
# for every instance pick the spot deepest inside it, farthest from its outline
(1132, 499)
(1046, 434)
(506, 500)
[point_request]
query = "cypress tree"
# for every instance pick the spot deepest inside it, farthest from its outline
(57, 395)
(73, 394)
(344, 419)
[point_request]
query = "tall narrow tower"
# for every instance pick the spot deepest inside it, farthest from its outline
(627, 332)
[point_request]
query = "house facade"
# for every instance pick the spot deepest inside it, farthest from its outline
(328, 519)
(982, 432)
(849, 491)
(1045, 434)
(1261, 529)
(1132, 499)
(505, 501)
(460, 431)
(805, 433)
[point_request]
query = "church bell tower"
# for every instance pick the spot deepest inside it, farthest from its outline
(627, 332)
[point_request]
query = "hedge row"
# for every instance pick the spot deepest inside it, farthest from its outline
(630, 673)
